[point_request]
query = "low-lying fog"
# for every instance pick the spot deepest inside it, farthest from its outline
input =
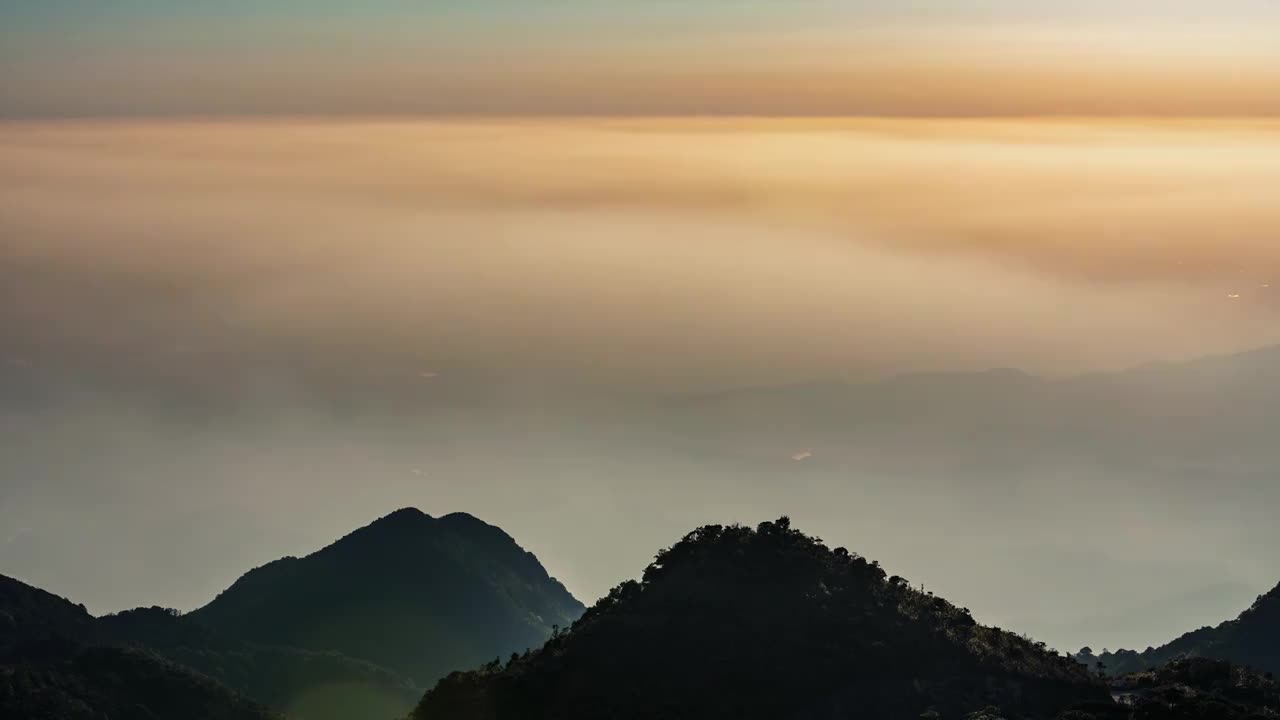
(225, 342)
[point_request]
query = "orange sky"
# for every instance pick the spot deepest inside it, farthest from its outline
(617, 246)
(936, 62)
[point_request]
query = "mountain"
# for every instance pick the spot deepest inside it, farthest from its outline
(307, 684)
(35, 624)
(1215, 405)
(1180, 456)
(50, 671)
(1163, 428)
(56, 647)
(118, 683)
(1191, 688)
(336, 634)
(1182, 453)
(419, 595)
(734, 622)
(1251, 640)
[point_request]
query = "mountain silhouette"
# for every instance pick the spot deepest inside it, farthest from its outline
(1250, 640)
(337, 634)
(307, 684)
(35, 624)
(121, 684)
(419, 595)
(1210, 407)
(734, 622)
(1192, 689)
(49, 670)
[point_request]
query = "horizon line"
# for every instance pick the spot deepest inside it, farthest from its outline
(17, 119)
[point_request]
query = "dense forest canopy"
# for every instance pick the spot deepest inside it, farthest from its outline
(767, 622)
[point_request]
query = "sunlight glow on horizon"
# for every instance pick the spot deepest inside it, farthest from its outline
(931, 58)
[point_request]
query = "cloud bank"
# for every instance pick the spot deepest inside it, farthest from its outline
(654, 253)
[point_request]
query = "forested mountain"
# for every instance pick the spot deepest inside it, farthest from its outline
(37, 624)
(730, 622)
(120, 684)
(308, 684)
(734, 622)
(49, 670)
(1188, 689)
(1199, 688)
(1252, 640)
(334, 635)
(419, 595)
(1156, 442)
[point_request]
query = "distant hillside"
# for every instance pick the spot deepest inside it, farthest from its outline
(35, 624)
(49, 672)
(1189, 689)
(419, 595)
(1252, 640)
(1220, 406)
(734, 622)
(307, 684)
(334, 635)
(120, 684)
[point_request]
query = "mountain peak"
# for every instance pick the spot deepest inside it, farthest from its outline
(33, 618)
(1268, 602)
(767, 622)
(404, 513)
(418, 595)
(472, 525)
(395, 527)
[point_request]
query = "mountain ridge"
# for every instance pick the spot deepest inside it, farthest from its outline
(767, 622)
(499, 599)
(1252, 639)
(52, 666)
(365, 622)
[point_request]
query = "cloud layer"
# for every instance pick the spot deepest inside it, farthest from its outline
(686, 253)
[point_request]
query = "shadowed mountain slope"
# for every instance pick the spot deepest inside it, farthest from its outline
(307, 684)
(734, 622)
(1189, 689)
(36, 624)
(1251, 640)
(48, 670)
(120, 684)
(334, 635)
(416, 594)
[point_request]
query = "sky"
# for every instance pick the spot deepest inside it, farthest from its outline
(901, 245)
(269, 271)
(813, 57)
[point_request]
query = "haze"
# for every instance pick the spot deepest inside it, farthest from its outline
(213, 330)
(936, 278)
